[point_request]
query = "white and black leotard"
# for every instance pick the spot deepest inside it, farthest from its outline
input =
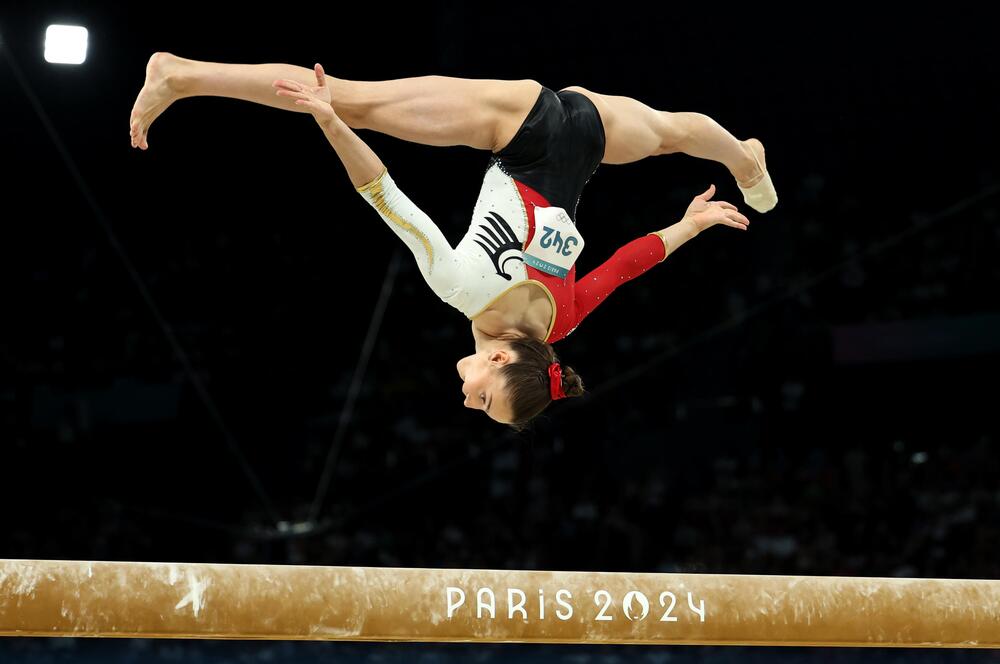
(547, 163)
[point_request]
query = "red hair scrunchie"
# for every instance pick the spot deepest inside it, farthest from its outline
(555, 382)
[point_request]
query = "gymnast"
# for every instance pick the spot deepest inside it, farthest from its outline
(513, 274)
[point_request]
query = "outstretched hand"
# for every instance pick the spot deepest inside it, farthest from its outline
(704, 213)
(315, 98)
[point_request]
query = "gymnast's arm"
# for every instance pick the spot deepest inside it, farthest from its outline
(641, 254)
(362, 164)
(675, 235)
(441, 267)
(628, 263)
(360, 161)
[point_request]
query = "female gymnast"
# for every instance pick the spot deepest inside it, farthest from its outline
(513, 274)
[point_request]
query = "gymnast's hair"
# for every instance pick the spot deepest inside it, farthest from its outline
(527, 379)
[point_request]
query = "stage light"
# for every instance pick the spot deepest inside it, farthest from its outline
(66, 44)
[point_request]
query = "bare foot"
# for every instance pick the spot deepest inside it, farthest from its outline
(154, 98)
(753, 173)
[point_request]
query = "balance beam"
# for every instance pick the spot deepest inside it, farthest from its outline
(165, 600)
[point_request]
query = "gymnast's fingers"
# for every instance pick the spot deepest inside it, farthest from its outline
(708, 193)
(737, 220)
(291, 93)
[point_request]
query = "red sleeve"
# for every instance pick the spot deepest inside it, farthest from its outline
(626, 264)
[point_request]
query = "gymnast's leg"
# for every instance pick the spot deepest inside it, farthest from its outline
(433, 110)
(635, 131)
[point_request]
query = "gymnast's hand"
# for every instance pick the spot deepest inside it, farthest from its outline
(315, 98)
(704, 213)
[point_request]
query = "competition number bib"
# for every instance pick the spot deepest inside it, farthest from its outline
(556, 243)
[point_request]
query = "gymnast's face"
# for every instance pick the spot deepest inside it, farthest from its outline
(482, 385)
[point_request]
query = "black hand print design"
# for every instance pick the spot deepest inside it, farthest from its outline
(501, 239)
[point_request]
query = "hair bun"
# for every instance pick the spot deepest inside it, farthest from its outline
(529, 379)
(572, 384)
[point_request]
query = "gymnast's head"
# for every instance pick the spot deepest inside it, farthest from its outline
(508, 379)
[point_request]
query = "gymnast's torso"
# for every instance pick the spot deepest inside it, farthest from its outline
(485, 276)
(508, 295)
(547, 163)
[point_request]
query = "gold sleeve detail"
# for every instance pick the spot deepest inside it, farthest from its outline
(374, 188)
(666, 245)
(365, 187)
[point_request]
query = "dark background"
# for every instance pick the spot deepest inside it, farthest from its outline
(816, 396)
